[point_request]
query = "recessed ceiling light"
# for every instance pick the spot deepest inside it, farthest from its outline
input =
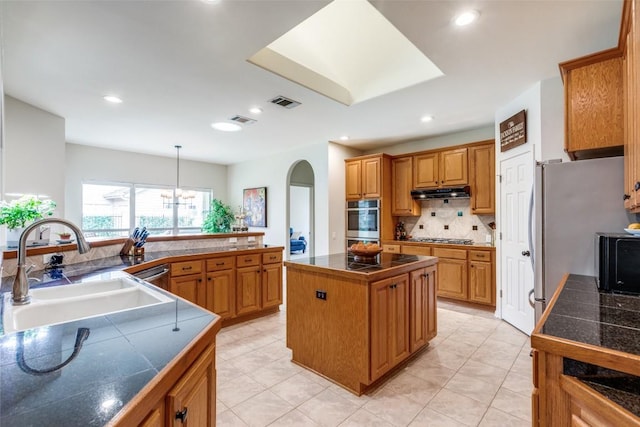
(226, 127)
(426, 119)
(466, 18)
(112, 99)
(255, 110)
(344, 138)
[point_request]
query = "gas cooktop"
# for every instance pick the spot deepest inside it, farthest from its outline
(442, 240)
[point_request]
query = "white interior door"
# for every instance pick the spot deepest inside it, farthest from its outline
(516, 275)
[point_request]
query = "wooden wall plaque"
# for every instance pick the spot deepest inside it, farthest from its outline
(513, 131)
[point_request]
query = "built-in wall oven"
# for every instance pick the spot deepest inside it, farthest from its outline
(363, 219)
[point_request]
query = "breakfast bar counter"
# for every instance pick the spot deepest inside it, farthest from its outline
(356, 321)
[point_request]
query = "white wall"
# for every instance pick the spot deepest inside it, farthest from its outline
(337, 227)
(299, 214)
(273, 172)
(552, 120)
(34, 152)
(440, 141)
(86, 164)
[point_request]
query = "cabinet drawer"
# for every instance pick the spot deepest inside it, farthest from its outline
(416, 250)
(450, 253)
(480, 256)
(186, 267)
(248, 260)
(222, 263)
(392, 249)
(271, 257)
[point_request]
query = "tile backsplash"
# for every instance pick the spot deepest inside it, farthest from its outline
(451, 220)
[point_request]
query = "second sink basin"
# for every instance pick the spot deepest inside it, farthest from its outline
(65, 303)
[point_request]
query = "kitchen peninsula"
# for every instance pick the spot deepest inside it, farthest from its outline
(143, 366)
(354, 321)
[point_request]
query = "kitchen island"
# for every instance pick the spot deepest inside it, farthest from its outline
(355, 322)
(586, 364)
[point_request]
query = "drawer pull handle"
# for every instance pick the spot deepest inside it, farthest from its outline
(182, 415)
(218, 264)
(186, 268)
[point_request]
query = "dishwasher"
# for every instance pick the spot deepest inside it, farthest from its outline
(158, 275)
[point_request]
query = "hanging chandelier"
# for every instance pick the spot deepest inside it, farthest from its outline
(178, 196)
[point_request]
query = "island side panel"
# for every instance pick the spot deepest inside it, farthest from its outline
(329, 336)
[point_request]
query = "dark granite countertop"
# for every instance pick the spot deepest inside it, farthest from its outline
(584, 315)
(119, 354)
(347, 263)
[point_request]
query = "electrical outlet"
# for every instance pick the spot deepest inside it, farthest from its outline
(251, 238)
(487, 238)
(321, 294)
(233, 240)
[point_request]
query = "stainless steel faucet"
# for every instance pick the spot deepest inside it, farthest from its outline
(20, 295)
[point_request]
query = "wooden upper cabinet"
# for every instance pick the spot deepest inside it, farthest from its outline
(453, 167)
(440, 169)
(363, 178)
(353, 178)
(401, 174)
(426, 172)
(631, 88)
(593, 87)
(482, 179)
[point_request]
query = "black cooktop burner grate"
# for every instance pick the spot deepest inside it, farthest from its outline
(442, 240)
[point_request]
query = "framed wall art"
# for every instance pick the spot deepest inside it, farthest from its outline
(254, 202)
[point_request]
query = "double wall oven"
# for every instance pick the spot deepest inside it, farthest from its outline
(363, 221)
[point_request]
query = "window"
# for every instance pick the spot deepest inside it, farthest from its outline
(110, 210)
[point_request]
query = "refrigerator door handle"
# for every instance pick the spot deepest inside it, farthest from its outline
(531, 303)
(530, 229)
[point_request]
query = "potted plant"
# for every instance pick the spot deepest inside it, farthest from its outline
(18, 213)
(219, 218)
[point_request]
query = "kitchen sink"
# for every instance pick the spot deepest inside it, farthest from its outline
(77, 301)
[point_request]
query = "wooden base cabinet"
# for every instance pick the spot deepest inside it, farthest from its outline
(481, 277)
(452, 273)
(187, 282)
(389, 324)
(422, 310)
(248, 297)
(271, 280)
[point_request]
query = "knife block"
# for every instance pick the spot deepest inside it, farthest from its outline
(135, 251)
(126, 248)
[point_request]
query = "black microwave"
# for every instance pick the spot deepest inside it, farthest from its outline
(617, 261)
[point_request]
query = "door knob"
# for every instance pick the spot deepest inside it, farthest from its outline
(526, 253)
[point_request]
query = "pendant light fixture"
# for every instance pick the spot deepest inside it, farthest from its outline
(178, 196)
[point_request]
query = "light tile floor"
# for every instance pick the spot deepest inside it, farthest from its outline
(476, 372)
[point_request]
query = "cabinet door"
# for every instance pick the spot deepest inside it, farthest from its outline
(480, 280)
(353, 177)
(482, 179)
(192, 400)
(432, 301)
(402, 183)
(425, 170)
(155, 418)
(191, 288)
(418, 309)
(634, 95)
(371, 178)
(389, 324)
(452, 278)
(453, 167)
(247, 290)
(271, 285)
(221, 293)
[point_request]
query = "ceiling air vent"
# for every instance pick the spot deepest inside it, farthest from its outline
(242, 120)
(284, 102)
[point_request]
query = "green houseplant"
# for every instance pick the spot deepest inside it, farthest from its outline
(17, 213)
(219, 218)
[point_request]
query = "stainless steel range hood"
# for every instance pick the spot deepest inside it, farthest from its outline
(442, 193)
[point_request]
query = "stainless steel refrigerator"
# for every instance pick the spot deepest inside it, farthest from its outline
(572, 201)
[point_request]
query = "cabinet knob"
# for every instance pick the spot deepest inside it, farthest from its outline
(626, 197)
(182, 415)
(637, 186)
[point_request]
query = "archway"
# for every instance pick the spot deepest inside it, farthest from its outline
(300, 210)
